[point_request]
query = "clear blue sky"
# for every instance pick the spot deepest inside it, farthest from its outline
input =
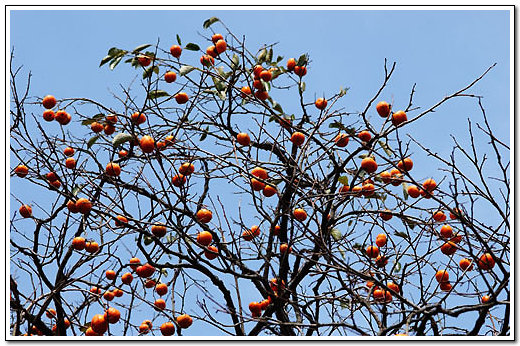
(441, 51)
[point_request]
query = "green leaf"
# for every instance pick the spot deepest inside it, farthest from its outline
(105, 60)
(84, 328)
(343, 180)
(279, 58)
(121, 138)
(358, 246)
(235, 61)
(336, 234)
(405, 191)
(192, 46)
(337, 125)
(363, 156)
(397, 266)
(140, 48)
(92, 141)
(269, 56)
(302, 60)
(386, 148)
(114, 63)
(302, 86)
(164, 272)
(77, 189)
(147, 240)
(261, 56)
(185, 70)
(179, 40)
(148, 72)
(409, 222)
(402, 235)
(267, 86)
(344, 303)
(157, 93)
(114, 51)
(93, 119)
(342, 91)
(277, 107)
(156, 69)
(209, 22)
(205, 134)
(342, 253)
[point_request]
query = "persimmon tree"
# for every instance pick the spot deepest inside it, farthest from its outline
(196, 200)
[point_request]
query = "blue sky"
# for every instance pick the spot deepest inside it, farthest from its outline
(441, 51)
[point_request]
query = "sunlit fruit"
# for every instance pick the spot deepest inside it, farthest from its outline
(176, 51)
(383, 109)
(369, 165)
(486, 262)
(170, 77)
(49, 101)
(21, 171)
(341, 140)
(299, 214)
(204, 215)
(211, 252)
(372, 251)
(204, 238)
(398, 118)
(25, 211)
(184, 321)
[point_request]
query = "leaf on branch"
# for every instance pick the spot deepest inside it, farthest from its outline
(157, 93)
(192, 46)
(235, 61)
(343, 180)
(386, 148)
(114, 51)
(140, 48)
(209, 22)
(337, 125)
(93, 119)
(147, 240)
(121, 138)
(302, 60)
(358, 246)
(342, 91)
(405, 191)
(277, 107)
(336, 234)
(116, 61)
(77, 189)
(205, 134)
(262, 56)
(402, 235)
(397, 267)
(164, 272)
(185, 70)
(179, 40)
(409, 222)
(269, 56)
(302, 86)
(148, 72)
(342, 253)
(91, 141)
(105, 60)
(84, 328)
(279, 58)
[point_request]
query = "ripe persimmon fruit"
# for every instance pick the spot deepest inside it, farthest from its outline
(167, 329)
(147, 144)
(365, 136)
(486, 262)
(446, 231)
(159, 230)
(251, 233)
(181, 98)
(341, 140)
(108, 296)
(243, 139)
(442, 276)
(398, 118)
(161, 289)
(321, 103)
(96, 127)
(439, 216)
(449, 248)
(297, 138)
(211, 252)
(383, 109)
(299, 214)
(269, 191)
(204, 215)
(138, 118)
(261, 95)
(178, 180)
(221, 46)
(25, 211)
(381, 240)
(159, 304)
(291, 64)
(113, 169)
(78, 243)
(49, 115)
(176, 51)
(204, 238)
(465, 264)
(99, 324)
(413, 191)
(127, 278)
(215, 38)
(21, 171)
(245, 91)
(49, 101)
(144, 60)
(170, 77)
(68, 151)
(184, 321)
(266, 75)
(405, 165)
(109, 129)
(186, 168)
(300, 70)
(91, 247)
(429, 185)
(372, 251)
(369, 165)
